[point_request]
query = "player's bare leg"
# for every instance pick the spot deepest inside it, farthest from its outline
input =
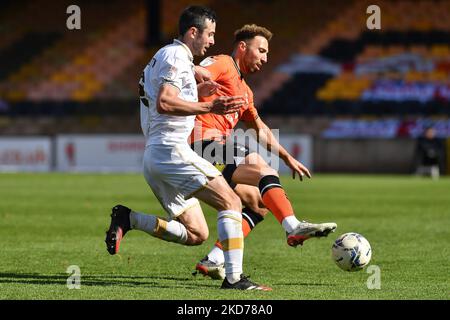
(123, 219)
(255, 171)
(220, 196)
(194, 221)
(252, 214)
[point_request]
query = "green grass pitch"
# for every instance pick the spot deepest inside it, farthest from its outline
(49, 222)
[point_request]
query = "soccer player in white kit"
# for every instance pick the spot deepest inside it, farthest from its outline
(175, 173)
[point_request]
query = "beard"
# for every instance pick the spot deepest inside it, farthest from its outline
(198, 47)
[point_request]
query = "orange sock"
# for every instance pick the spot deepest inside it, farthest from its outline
(274, 198)
(246, 227)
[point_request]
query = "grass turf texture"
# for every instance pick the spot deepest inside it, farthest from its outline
(52, 221)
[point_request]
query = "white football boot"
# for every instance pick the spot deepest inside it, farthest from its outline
(306, 230)
(210, 269)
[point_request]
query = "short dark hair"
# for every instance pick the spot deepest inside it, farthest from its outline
(195, 16)
(249, 31)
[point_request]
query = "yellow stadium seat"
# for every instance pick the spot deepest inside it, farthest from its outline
(82, 60)
(414, 76)
(325, 95)
(81, 95)
(93, 86)
(439, 76)
(440, 51)
(15, 96)
(61, 77)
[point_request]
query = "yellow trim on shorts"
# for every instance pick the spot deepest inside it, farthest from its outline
(232, 244)
(179, 213)
(207, 175)
(219, 166)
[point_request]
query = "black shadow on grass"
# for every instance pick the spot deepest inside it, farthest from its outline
(305, 284)
(103, 280)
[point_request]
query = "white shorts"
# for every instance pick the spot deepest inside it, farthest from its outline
(174, 173)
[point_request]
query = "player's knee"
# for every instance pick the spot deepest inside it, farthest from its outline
(203, 236)
(268, 171)
(232, 202)
(226, 198)
(197, 238)
(273, 172)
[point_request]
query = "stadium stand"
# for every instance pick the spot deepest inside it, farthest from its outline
(326, 64)
(401, 69)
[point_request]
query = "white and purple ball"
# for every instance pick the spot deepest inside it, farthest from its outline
(351, 251)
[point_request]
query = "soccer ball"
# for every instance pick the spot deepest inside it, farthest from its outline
(351, 251)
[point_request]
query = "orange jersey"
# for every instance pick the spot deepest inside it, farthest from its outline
(212, 126)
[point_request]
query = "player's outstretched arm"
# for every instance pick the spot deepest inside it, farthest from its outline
(268, 140)
(168, 102)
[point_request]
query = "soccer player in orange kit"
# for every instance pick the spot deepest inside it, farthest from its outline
(257, 184)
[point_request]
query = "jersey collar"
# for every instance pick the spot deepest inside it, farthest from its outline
(191, 57)
(237, 68)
